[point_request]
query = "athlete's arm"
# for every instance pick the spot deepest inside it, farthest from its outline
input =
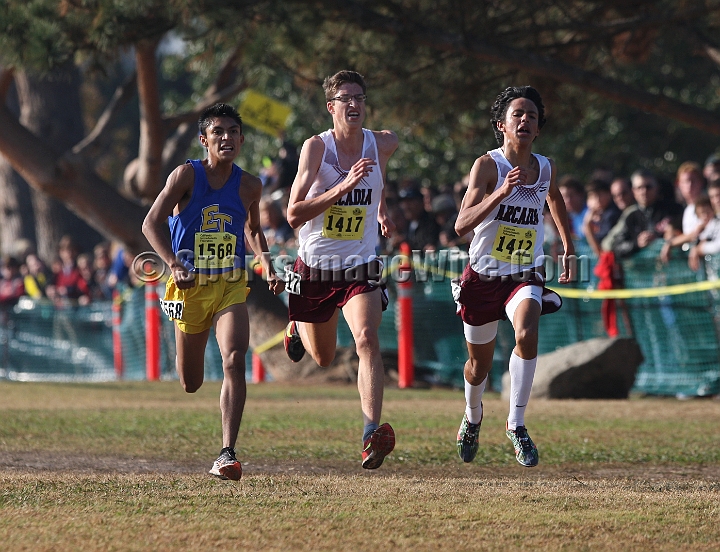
(179, 185)
(387, 226)
(387, 143)
(559, 214)
(251, 190)
(301, 210)
(481, 196)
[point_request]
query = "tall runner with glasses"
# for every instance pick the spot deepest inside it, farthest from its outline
(337, 200)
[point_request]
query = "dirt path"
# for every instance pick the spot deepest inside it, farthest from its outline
(29, 462)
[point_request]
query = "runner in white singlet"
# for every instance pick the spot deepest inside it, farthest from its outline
(338, 200)
(504, 207)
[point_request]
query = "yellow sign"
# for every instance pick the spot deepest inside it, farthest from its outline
(264, 113)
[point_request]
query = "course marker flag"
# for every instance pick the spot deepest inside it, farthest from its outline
(264, 113)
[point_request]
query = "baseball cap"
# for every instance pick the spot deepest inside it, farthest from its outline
(713, 159)
(410, 193)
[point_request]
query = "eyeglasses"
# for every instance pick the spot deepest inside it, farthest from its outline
(346, 98)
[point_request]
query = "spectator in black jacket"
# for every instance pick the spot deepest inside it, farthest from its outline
(650, 218)
(423, 232)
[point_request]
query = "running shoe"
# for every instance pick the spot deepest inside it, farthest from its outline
(293, 344)
(468, 439)
(227, 466)
(377, 447)
(525, 450)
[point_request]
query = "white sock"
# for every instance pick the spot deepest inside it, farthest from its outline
(473, 401)
(522, 373)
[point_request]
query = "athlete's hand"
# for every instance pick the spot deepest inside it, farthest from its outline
(183, 278)
(387, 227)
(516, 177)
(568, 273)
(275, 284)
(358, 171)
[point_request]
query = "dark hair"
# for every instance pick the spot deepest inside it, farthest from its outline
(703, 201)
(331, 84)
(10, 262)
(218, 110)
(569, 181)
(499, 108)
(643, 173)
(596, 185)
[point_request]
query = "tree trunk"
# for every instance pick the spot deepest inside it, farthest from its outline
(50, 108)
(17, 223)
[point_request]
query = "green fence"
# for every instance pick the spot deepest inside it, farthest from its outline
(678, 334)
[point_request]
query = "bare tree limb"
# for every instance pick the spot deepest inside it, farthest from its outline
(148, 179)
(713, 54)
(204, 103)
(225, 86)
(68, 179)
(99, 134)
(7, 75)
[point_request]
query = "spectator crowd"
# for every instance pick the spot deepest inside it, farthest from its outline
(69, 278)
(612, 213)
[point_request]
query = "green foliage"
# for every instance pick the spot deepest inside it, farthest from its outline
(436, 99)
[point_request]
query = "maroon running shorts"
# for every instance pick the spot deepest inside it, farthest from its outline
(483, 299)
(322, 292)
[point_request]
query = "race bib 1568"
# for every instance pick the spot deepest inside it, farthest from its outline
(214, 249)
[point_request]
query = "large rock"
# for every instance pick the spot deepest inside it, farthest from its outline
(600, 368)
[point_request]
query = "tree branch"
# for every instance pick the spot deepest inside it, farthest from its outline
(152, 130)
(7, 75)
(528, 62)
(204, 103)
(225, 86)
(99, 134)
(184, 124)
(68, 179)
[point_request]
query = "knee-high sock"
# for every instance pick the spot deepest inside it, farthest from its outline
(473, 401)
(522, 373)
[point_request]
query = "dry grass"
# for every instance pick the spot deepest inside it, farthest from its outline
(122, 467)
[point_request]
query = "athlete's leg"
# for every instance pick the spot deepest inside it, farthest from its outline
(481, 347)
(363, 313)
(524, 311)
(526, 322)
(320, 339)
(232, 330)
(190, 361)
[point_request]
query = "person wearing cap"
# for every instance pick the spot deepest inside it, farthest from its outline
(445, 211)
(423, 233)
(711, 170)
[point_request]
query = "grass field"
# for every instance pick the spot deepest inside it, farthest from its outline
(123, 466)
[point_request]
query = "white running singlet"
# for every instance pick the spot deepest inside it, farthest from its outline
(346, 234)
(510, 239)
